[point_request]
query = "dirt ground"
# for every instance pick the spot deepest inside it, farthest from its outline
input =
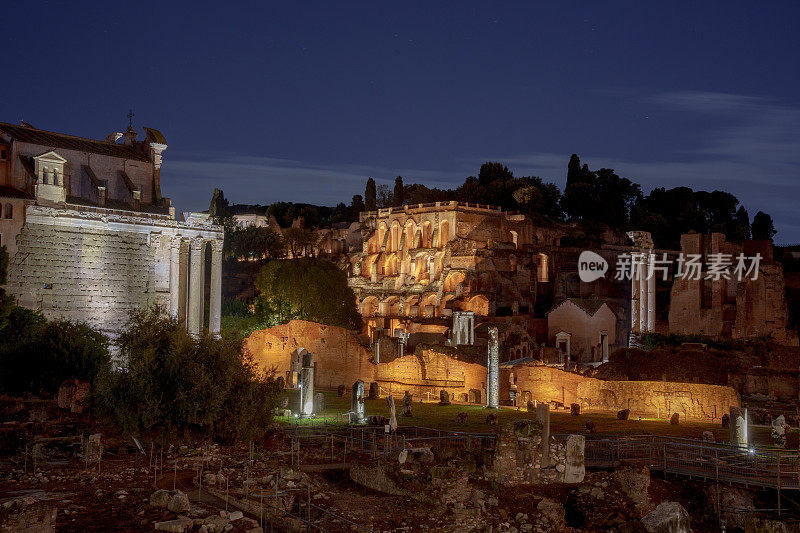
(115, 495)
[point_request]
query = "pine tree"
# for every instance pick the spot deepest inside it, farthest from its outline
(371, 195)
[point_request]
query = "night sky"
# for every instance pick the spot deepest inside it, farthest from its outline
(281, 102)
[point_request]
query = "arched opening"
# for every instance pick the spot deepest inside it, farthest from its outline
(369, 306)
(411, 231)
(381, 236)
(444, 233)
(9, 211)
(395, 237)
(392, 307)
(427, 235)
(452, 281)
(514, 239)
(428, 306)
(478, 304)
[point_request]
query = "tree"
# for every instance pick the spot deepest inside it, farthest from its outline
(300, 241)
(219, 205)
(256, 243)
(175, 383)
(370, 195)
(357, 204)
(398, 191)
(308, 289)
(763, 229)
(385, 197)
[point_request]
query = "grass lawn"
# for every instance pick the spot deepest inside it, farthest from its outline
(430, 414)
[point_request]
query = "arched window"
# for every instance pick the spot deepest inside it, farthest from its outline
(9, 211)
(46, 176)
(55, 176)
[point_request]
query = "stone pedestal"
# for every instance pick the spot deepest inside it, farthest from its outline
(543, 416)
(575, 469)
(493, 370)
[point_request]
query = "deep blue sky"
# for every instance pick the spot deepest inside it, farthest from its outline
(303, 101)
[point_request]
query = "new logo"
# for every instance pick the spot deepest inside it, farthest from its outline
(591, 266)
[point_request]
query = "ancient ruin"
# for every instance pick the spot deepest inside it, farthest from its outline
(95, 240)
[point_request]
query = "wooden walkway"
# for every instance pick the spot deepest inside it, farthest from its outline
(768, 468)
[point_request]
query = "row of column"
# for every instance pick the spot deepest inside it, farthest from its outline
(643, 292)
(187, 283)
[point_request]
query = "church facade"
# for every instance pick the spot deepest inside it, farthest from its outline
(92, 239)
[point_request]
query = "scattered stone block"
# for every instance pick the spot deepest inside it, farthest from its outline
(377, 420)
(175, 526)
(179, 503)
(407, 402)
(319, 402)
(373, 391)
(668, 517)
(73, 394)
(575, 469)
(708, 436)
(416, 455)
(160, 499)
(674, 419)
(491, 419)
(589, 427)
(624, 414)
(779, 432)
(575, 409)
(461, 418)
(283, 403)
(444, 397)
(235, 515)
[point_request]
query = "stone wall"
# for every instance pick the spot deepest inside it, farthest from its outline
(339, 358)
(643, 398)
(728, 308)
(430, 372)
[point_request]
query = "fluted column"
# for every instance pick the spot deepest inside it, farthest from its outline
(651, 299)
(195, 311)
(215, 298)
(174, 276)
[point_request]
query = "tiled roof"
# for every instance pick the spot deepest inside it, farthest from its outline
(590, 306)
(70, 142)
(11, 192)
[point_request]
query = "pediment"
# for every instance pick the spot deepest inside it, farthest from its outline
(50, 157)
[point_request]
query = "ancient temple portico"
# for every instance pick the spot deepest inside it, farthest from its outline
(135, 260)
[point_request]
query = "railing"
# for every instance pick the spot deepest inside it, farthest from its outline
(770, 468)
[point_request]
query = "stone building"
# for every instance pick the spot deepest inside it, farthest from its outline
(420, 263)
(92, 239)
(583, 330)
(727, 308)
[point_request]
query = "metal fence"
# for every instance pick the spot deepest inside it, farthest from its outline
(769, 467)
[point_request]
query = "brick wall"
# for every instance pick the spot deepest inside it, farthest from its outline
(339, 358)
(643, 398)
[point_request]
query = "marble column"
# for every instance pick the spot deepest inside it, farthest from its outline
(357, 401)
(195, 311)
(493, 370)
(215, 298)
(307, 385)
(183, 280)
(651, 295)
(174, 276)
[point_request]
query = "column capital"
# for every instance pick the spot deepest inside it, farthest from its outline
(217, 245)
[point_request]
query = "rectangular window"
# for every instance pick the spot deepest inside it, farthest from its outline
(3, 154)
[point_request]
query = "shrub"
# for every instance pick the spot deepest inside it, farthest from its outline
(174, 383)
(37, 356)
